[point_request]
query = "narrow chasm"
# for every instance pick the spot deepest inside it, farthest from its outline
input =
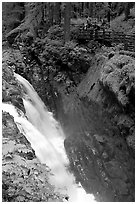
(68, 101)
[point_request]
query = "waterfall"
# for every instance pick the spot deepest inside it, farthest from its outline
(47, 139)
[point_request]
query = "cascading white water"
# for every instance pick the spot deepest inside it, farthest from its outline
(47, 140)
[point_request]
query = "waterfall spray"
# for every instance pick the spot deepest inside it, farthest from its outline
(47, 139)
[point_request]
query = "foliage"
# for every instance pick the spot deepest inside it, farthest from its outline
(53, 55)
(101, 9)
(27, 182)
(121, 7)
(55, 32)
(12, 15)
(118, 75)
(74, 32)
(119, 25)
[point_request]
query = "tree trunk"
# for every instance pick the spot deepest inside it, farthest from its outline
(109, 12)
(67, 21)
(82, 8)
(79, 9)
(57, 13)
(91, 9)
(127, 10)
(87, 5)
(50, 13)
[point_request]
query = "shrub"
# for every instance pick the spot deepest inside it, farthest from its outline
(53, 54)
(119, 77)
(55, 32)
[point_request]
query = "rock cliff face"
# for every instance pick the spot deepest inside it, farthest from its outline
(111, 84)
(109, 89)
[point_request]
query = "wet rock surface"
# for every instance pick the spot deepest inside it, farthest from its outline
(11, 90)
(99, 157)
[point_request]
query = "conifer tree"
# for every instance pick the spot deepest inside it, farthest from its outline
(67, 21)
(57, 13)
(12, 15)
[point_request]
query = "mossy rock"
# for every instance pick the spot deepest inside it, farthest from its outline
(118, 75)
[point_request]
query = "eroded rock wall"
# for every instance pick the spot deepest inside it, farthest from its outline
(111, 84)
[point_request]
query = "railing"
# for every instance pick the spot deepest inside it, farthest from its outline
(109, 36)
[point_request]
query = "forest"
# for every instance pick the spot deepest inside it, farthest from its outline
(79, 57)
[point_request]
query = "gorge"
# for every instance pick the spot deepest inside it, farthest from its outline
(68, 102)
